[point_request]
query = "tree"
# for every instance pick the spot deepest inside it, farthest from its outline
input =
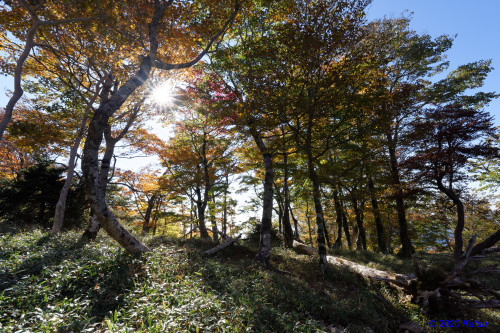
(448, 137)
(45, 14)
(197, 158)
(94, 172)
(30, 199)
(401, 62)
(322, 74)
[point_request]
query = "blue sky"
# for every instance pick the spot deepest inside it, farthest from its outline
(476, 24)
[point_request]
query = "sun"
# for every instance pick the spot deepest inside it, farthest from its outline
(164, 93)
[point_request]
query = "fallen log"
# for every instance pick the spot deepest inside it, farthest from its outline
(435, 290)
(228, 241)
(366, 272)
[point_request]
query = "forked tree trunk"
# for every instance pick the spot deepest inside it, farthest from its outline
(90, 163)
(201, 206)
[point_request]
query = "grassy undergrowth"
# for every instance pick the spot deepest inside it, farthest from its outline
(51, 284)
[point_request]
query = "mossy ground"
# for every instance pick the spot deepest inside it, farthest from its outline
(53, 284)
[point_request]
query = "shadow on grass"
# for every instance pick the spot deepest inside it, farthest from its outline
(57, 272)
(281, 303)
(34, 265)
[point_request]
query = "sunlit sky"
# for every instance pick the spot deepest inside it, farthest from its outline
(475, 23)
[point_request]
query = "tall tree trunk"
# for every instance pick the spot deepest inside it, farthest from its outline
(90, 162)
(389, 232)
(146, 226)
(296, 235)
(213, 220)
(287, 227)
(61, 203)
(361, 237)
(200, 213)
(340, 213)
(224, 213)
(280, 216)
(309, 222)
(320, 220)
(156, 218)
(406, 247)
(206, 176)
(191, 214)
(327, 236)
(382, 246)
(345, 226)
(264, 252)
(459, 243)
(201, 219)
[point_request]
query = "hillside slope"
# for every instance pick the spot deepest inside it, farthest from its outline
(53, 284)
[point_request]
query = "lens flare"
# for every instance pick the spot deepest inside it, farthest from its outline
(164, 93)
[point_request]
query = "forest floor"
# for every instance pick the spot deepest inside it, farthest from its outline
(53, 284)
